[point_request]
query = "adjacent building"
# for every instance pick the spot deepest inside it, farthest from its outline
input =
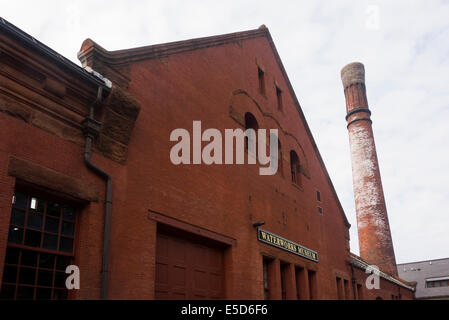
(86, 178)
(431, 277)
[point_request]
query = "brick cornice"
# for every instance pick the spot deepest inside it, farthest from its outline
(90, 49)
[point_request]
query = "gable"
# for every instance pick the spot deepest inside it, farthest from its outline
(116, 65)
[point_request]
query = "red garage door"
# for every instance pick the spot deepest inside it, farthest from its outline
(187, 267)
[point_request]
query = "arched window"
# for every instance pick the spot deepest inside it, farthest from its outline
(294, 166)
(251, 123)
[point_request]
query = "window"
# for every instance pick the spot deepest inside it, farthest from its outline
(339, 289)
(284, 268)
(312, 284)
(294, 166)
(40, 247)
(318, 199)
(300, 286)
(279, 98)
(347, 289)
(251, 123)
(359, 292)
(261, 76)
(266, 278)
(437, 283)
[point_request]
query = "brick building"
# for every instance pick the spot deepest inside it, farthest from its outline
(86, 178)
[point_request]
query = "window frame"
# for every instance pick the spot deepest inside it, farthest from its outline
(61, 259)
(295, 168)
(279, 99)
(262, 80)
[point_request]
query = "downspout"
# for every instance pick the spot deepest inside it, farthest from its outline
(91, 130)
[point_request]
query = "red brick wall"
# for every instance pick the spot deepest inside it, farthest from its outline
(174, 91)
(199, 85)
(35, 145)
(386, 289)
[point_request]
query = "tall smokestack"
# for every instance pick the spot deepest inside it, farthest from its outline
(376, 245)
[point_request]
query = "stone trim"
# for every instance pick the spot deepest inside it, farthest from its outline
(178, 224)
(350, 113)
(51, 179)
(355, 120)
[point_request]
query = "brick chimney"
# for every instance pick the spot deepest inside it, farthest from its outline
(376, 245)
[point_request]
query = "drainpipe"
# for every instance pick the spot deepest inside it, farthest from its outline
(91, 129)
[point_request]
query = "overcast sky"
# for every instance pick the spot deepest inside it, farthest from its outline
(405, 50)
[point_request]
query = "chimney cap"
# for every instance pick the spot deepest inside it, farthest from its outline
(351, 73)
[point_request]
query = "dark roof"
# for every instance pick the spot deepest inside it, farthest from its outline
(37, 46)
(422, 270)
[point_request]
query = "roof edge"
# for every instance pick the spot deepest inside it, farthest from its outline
(31, 42)
(358, 262)
(90, 48)
(422, 261)
(307, 128)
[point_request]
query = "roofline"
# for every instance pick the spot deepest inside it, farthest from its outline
(431, 260)
(126, 56)
(306, 126)
(90, 49)
(438, 278)
(49, 53)
(359, 263)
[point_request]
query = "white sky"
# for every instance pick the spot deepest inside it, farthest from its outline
(405, 50)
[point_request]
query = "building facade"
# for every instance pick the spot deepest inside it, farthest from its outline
(431, 278)
(86, 178)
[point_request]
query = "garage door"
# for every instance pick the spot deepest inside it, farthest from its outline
(187, 267)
